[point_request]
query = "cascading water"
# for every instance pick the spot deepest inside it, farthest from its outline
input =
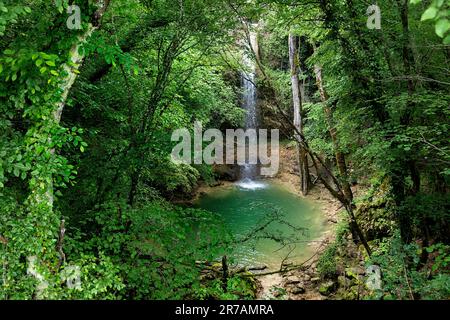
(249, 88)
(249, 172)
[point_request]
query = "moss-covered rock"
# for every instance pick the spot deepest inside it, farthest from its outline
(375, 213)
(327, 288)
(344, 282)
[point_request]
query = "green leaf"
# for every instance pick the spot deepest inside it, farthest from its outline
(430, 13)
(43, 70)
(39, 62)
(442, 26)
(50, 63)
(447, 40)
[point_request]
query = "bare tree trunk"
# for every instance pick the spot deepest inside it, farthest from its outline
(298, 121)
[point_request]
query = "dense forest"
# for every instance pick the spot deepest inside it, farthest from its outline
(92, 205)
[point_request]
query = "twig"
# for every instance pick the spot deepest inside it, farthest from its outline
(295, 267)
(286, 257)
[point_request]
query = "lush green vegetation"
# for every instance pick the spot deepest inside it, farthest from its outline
(86, 177)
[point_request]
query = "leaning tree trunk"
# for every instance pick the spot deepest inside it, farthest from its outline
(298, 121)
(340, 161)
(42, 198)
(340, 157)
(71, 69)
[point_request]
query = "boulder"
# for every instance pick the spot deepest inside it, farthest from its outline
(344, 282)
(351, 293)
(216, 183)
(226, 172)
(258, 268)
(277, 294)
(327, 288)
(293, 280)
(299, 289)
(354, 272)
(316, 279)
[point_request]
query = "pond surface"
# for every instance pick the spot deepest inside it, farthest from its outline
(287, 224)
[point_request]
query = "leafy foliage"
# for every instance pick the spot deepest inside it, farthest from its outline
(401, 278)
(86, 118)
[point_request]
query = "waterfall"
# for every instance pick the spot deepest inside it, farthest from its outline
(249, 172)
(249, 88)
